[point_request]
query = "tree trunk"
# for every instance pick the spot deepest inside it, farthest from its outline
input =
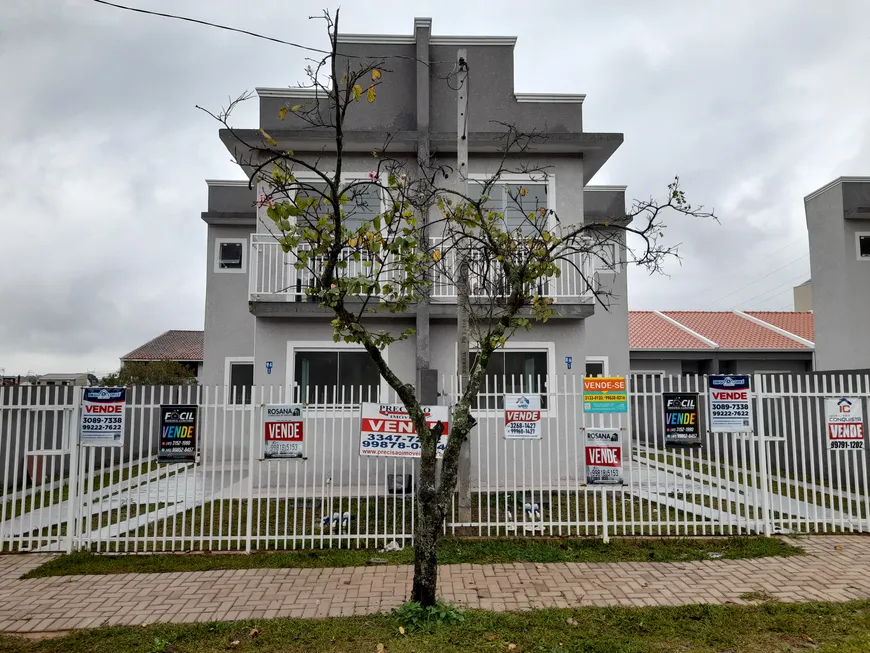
(424, 589)
(429, 517)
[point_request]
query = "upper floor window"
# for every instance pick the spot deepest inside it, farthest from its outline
(230, 255)
(364, 202)
(524, 205)
(862, 242)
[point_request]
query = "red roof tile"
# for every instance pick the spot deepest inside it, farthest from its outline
(172, 345)
(732, 331)
(800, 324)
(646, 330)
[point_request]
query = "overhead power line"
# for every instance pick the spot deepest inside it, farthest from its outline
(215, 25)
(764, 256)
(758, 279)
(787, 286)
(257, 35)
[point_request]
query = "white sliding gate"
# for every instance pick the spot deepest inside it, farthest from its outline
(58, 495)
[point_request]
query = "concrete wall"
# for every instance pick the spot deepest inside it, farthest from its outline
(274, 334)
(752, 366)
(841, 282)
(803, 297)
(229, 326)
(566, 336)
(672, 366)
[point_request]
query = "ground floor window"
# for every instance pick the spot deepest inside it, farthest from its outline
(241, 382)
(513, 371)
(596, 366)
(335, 377)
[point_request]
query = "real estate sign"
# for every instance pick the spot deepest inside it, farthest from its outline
(102, 421)
(603, 457)
(387, 430)
(730, 404)
(283, 431)
(681, 418)
(605, 395)
(522, 417)
(844, 417)
(178, 433)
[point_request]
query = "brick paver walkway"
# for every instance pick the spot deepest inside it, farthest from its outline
(69, 602)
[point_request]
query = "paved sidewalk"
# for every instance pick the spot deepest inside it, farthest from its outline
(70, 602)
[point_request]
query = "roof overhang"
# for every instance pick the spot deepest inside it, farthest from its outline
(595, 148)
(720, 352)
(151, 360)
(248, 218)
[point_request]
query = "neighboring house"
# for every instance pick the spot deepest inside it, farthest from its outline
(723, 342)
(183, 347)
(80, 378)
(838, 222)
(261, 328)
(803, 296)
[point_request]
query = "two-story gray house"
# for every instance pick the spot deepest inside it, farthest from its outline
(838, 222)
(262, 329)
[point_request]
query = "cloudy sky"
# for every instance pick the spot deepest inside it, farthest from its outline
(754, 105)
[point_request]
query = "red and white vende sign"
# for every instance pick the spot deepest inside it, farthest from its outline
(522, 417)
(603, 457)
(387, 430)
(844, 418)
(283, 431)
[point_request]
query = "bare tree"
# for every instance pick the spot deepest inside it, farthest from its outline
(363, 263)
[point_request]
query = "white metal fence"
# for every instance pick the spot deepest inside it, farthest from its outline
(57, 495)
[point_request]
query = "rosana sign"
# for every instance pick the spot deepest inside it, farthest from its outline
(283, 431)
(102, 421)
(603, 457)
(387, 430)
(844, 417)
(522, 417)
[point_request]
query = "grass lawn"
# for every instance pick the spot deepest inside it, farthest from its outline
(764, 628)
(451, 551)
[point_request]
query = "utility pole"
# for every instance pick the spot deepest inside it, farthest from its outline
(462, 290)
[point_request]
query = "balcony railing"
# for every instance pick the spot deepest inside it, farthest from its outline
(274, 277)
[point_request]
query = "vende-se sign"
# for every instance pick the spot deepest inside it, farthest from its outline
(605, 395)
(387, 430)
(283, 431)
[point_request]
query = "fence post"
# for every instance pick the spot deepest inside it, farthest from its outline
(73, 481)
(761, 439)
(251, 460)
(606, 537)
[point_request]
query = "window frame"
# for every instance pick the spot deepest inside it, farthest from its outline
(308, 177)
(605, 364)
(217, 255)
(548, 347)
(858, 235)
(228, 369)
(295, 346)
(519, 178)
(601, 267)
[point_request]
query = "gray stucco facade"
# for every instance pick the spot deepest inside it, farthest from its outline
(244, 323)
(838, 220)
